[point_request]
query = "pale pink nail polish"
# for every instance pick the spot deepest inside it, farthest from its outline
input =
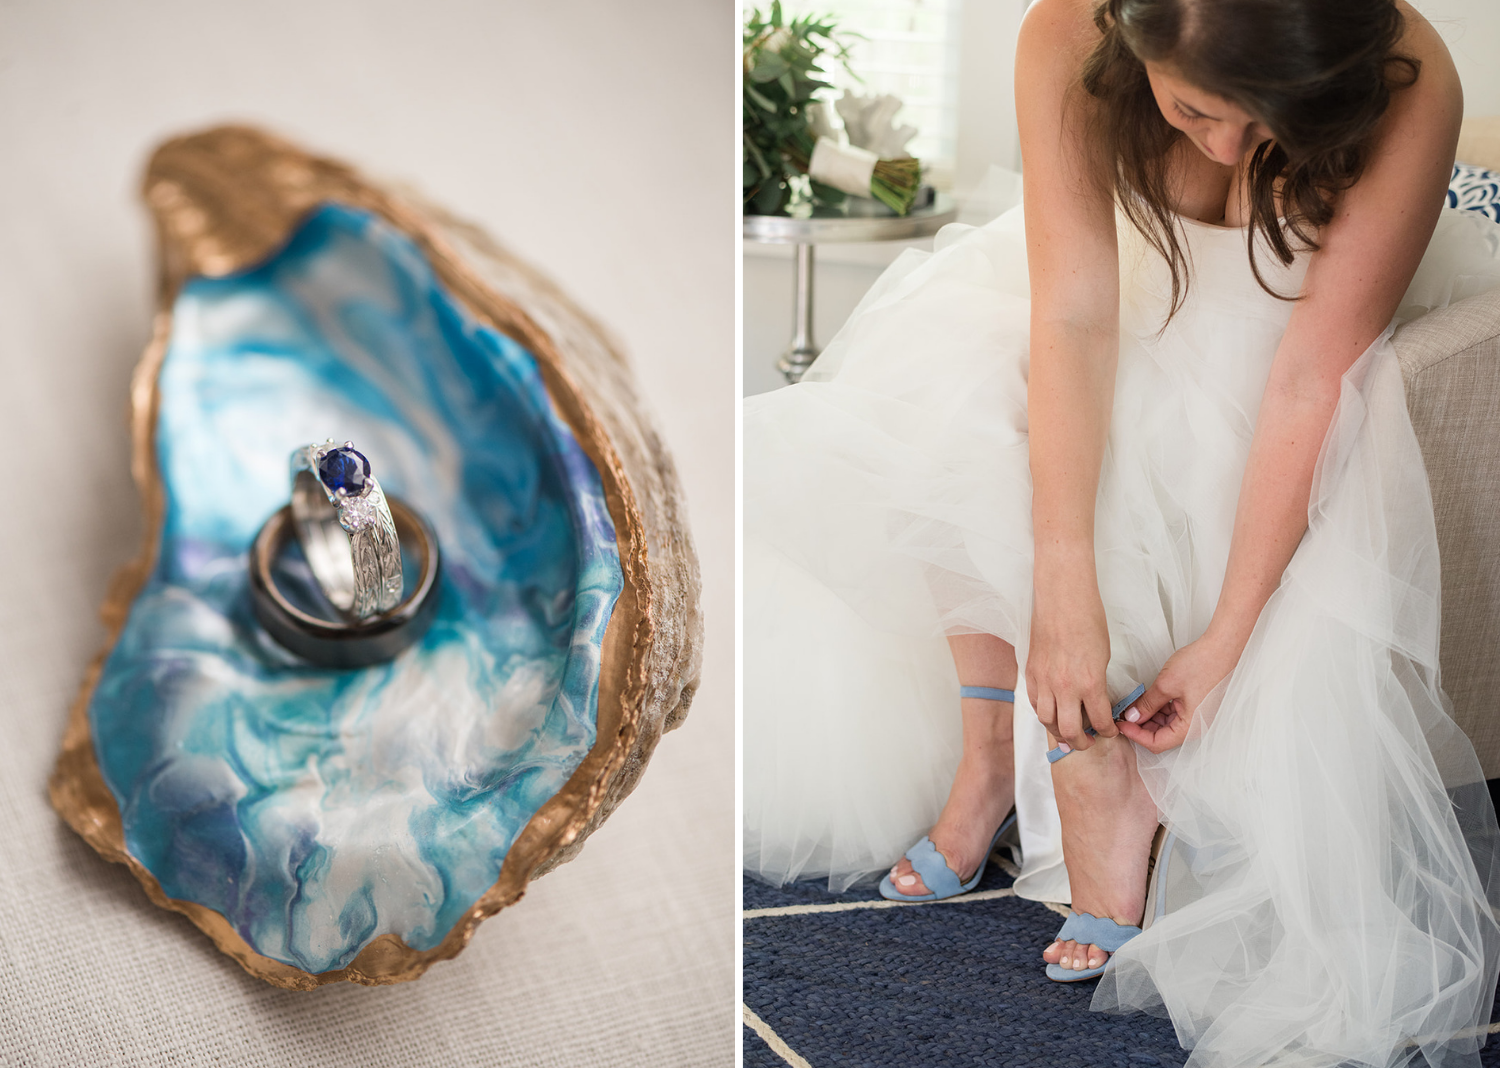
(1065, 747)
(1133, 715)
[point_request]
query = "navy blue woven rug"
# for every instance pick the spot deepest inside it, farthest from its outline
(954, 983)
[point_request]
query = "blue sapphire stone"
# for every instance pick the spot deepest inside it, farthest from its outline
(344, 469)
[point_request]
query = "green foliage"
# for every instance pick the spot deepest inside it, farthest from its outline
(782, 77)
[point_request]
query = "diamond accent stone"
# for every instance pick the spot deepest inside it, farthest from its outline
(360, 513)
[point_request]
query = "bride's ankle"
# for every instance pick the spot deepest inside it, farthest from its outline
(996, 746)
(990, 772)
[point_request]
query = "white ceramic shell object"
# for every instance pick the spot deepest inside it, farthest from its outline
(870, 123)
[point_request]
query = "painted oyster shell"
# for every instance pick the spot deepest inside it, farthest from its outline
(324, 825)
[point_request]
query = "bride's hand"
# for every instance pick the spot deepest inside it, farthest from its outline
(1161, 718)
(1065, 664)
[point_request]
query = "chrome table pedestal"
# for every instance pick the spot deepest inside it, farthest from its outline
(848, 224)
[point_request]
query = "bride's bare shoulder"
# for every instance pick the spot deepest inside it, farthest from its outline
(1437, 85)
(1421, 123)
(1056, 37)
(1061, 17)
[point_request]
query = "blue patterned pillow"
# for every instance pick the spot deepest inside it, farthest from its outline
(1474, 189)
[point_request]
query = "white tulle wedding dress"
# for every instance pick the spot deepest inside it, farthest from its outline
(1331, 899)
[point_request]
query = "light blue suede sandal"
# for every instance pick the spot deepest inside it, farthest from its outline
(926, 861)
(1107, 934)
(1054, 755)
(1088, 929)
(941, 880)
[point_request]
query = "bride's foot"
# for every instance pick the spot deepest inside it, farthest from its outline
(1108, 821)
(982, 794)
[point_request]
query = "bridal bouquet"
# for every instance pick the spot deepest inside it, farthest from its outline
(787, 133)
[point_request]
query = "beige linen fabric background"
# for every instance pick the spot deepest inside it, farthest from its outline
(593, 138)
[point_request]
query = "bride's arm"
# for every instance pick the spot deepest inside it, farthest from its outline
(1074, 275)
(1368, 255)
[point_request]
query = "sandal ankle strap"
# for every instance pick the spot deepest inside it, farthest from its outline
(987, 693)
(1054, 755)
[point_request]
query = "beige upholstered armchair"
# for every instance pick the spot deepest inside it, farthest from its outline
(1450, 360)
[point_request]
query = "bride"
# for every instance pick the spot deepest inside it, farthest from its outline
(1148, 433)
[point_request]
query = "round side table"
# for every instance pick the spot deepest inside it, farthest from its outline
(843, 225)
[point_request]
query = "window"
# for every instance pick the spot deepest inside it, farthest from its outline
(910, 50)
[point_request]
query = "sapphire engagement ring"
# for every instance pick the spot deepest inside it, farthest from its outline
(344, 525)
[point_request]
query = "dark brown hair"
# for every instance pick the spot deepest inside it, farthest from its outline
(1317, 73)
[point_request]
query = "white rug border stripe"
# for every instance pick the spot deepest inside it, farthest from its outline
(852, 906)
(772, 1039)
(1467, 1032)
(786, 1053)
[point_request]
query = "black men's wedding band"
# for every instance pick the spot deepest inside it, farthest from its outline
(342, 643)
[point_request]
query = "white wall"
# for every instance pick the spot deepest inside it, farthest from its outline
(986, 90)
(1472, 30)
(841, 276)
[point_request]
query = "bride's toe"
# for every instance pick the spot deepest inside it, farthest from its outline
(906, 880)
(1065, 956)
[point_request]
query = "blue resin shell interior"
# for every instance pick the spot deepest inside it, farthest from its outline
(318, 809)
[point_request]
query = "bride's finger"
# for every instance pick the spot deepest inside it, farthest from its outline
(1148, 728)
(1070, 723)
(1140, 733)
(1169, 736)
(1097, 708)
(1148, 704)
(1046, 711)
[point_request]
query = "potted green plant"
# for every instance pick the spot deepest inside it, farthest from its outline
(783, 67)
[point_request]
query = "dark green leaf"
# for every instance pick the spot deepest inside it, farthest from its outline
(768, 68)
(826, 195)
(768, 199)
(759, 99)
(757, 158)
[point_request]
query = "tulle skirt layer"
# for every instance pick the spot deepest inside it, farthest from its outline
(1331, 884)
